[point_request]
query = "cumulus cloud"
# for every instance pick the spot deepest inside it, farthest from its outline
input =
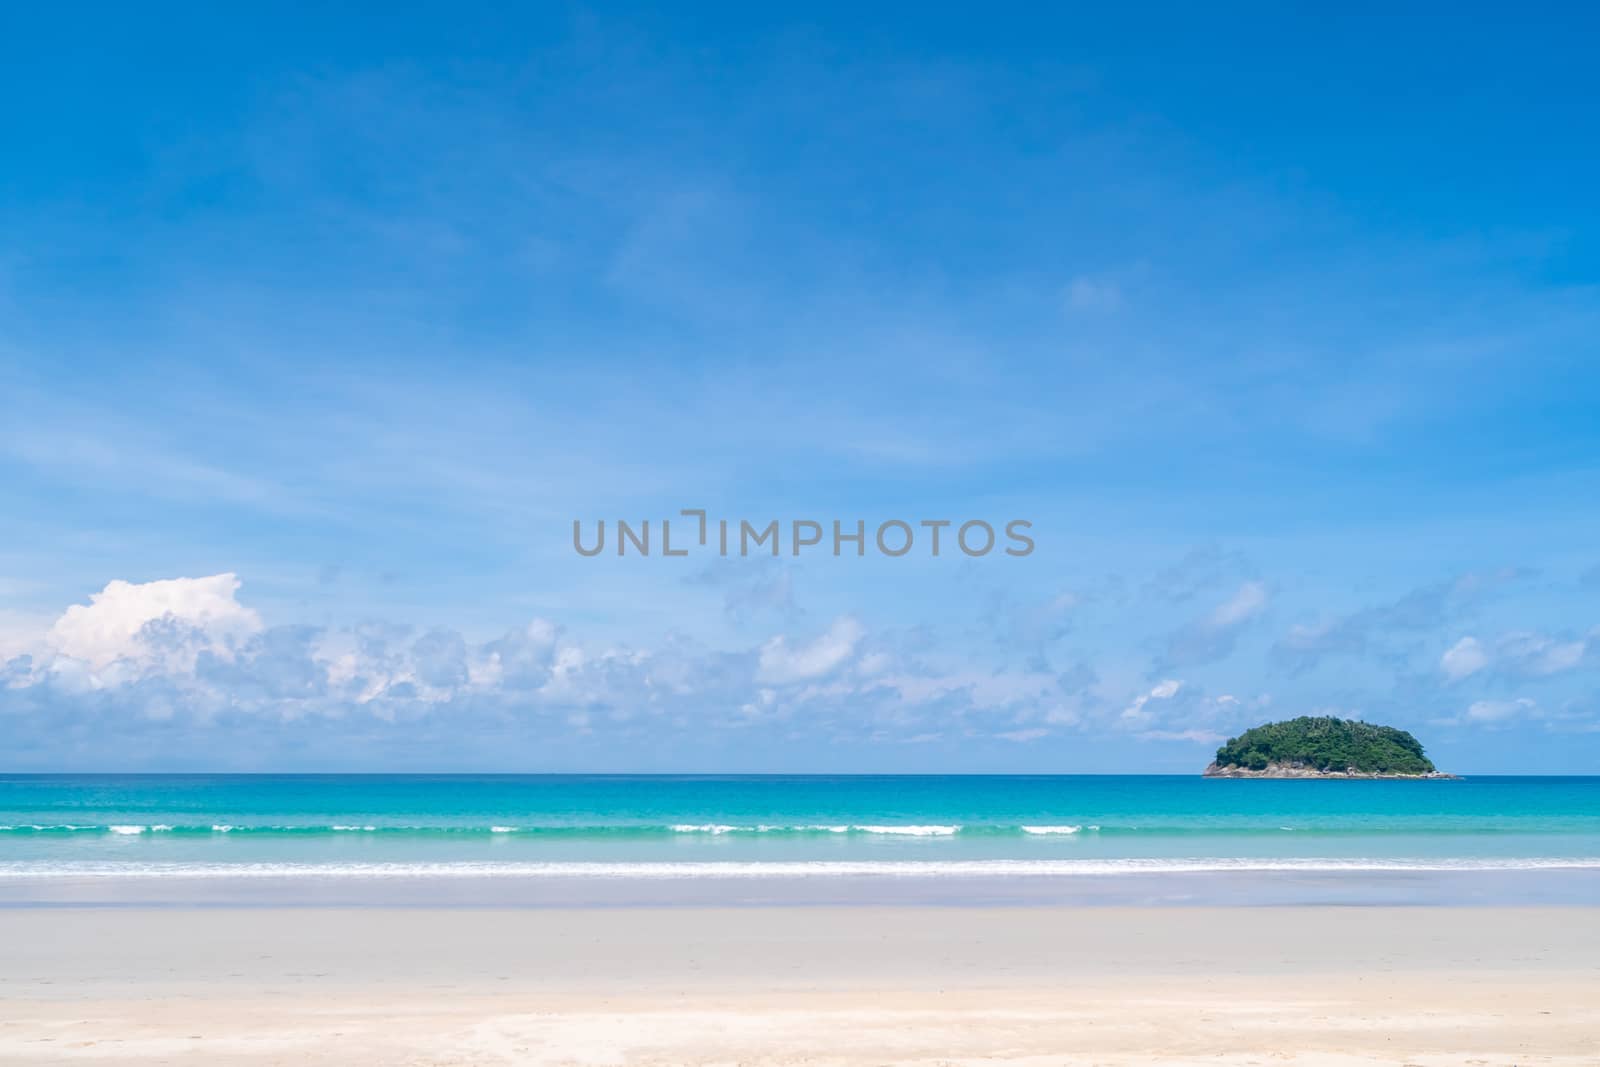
(520, 660)
(1463, 658)
(186, 650)
(1138, 713)
(1174, 710)
(1538, 655)
(171, 620)
(1495, 713)
(784, 661)
(1521, 654)
(187, 654)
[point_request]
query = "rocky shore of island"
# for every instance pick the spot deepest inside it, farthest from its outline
(1303, 770)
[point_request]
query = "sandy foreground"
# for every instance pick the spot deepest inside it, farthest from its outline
(811, 986)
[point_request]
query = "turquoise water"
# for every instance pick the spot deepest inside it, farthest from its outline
(685, 826)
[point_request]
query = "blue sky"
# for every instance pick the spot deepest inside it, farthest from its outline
(318, 331)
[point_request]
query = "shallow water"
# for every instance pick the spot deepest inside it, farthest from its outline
(961, 834)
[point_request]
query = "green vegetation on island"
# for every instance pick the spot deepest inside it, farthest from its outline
(1312, 746)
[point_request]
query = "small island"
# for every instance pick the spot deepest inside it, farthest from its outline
(1323, 747)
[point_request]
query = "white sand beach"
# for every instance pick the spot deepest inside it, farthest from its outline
(816, 986)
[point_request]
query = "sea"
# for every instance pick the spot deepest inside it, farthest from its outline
(566, 840)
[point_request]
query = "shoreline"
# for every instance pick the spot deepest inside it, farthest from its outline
(1235, 889)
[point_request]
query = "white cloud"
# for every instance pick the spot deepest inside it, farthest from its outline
(1136, 714)
(1523, 653)
(1174, 710)
(1212, 636)
(149, 641)
(1536, 654)
(1499, 710)
(1240, 608)
(782, 662)
(1464, 657)
(188, 650)
(124, 620)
